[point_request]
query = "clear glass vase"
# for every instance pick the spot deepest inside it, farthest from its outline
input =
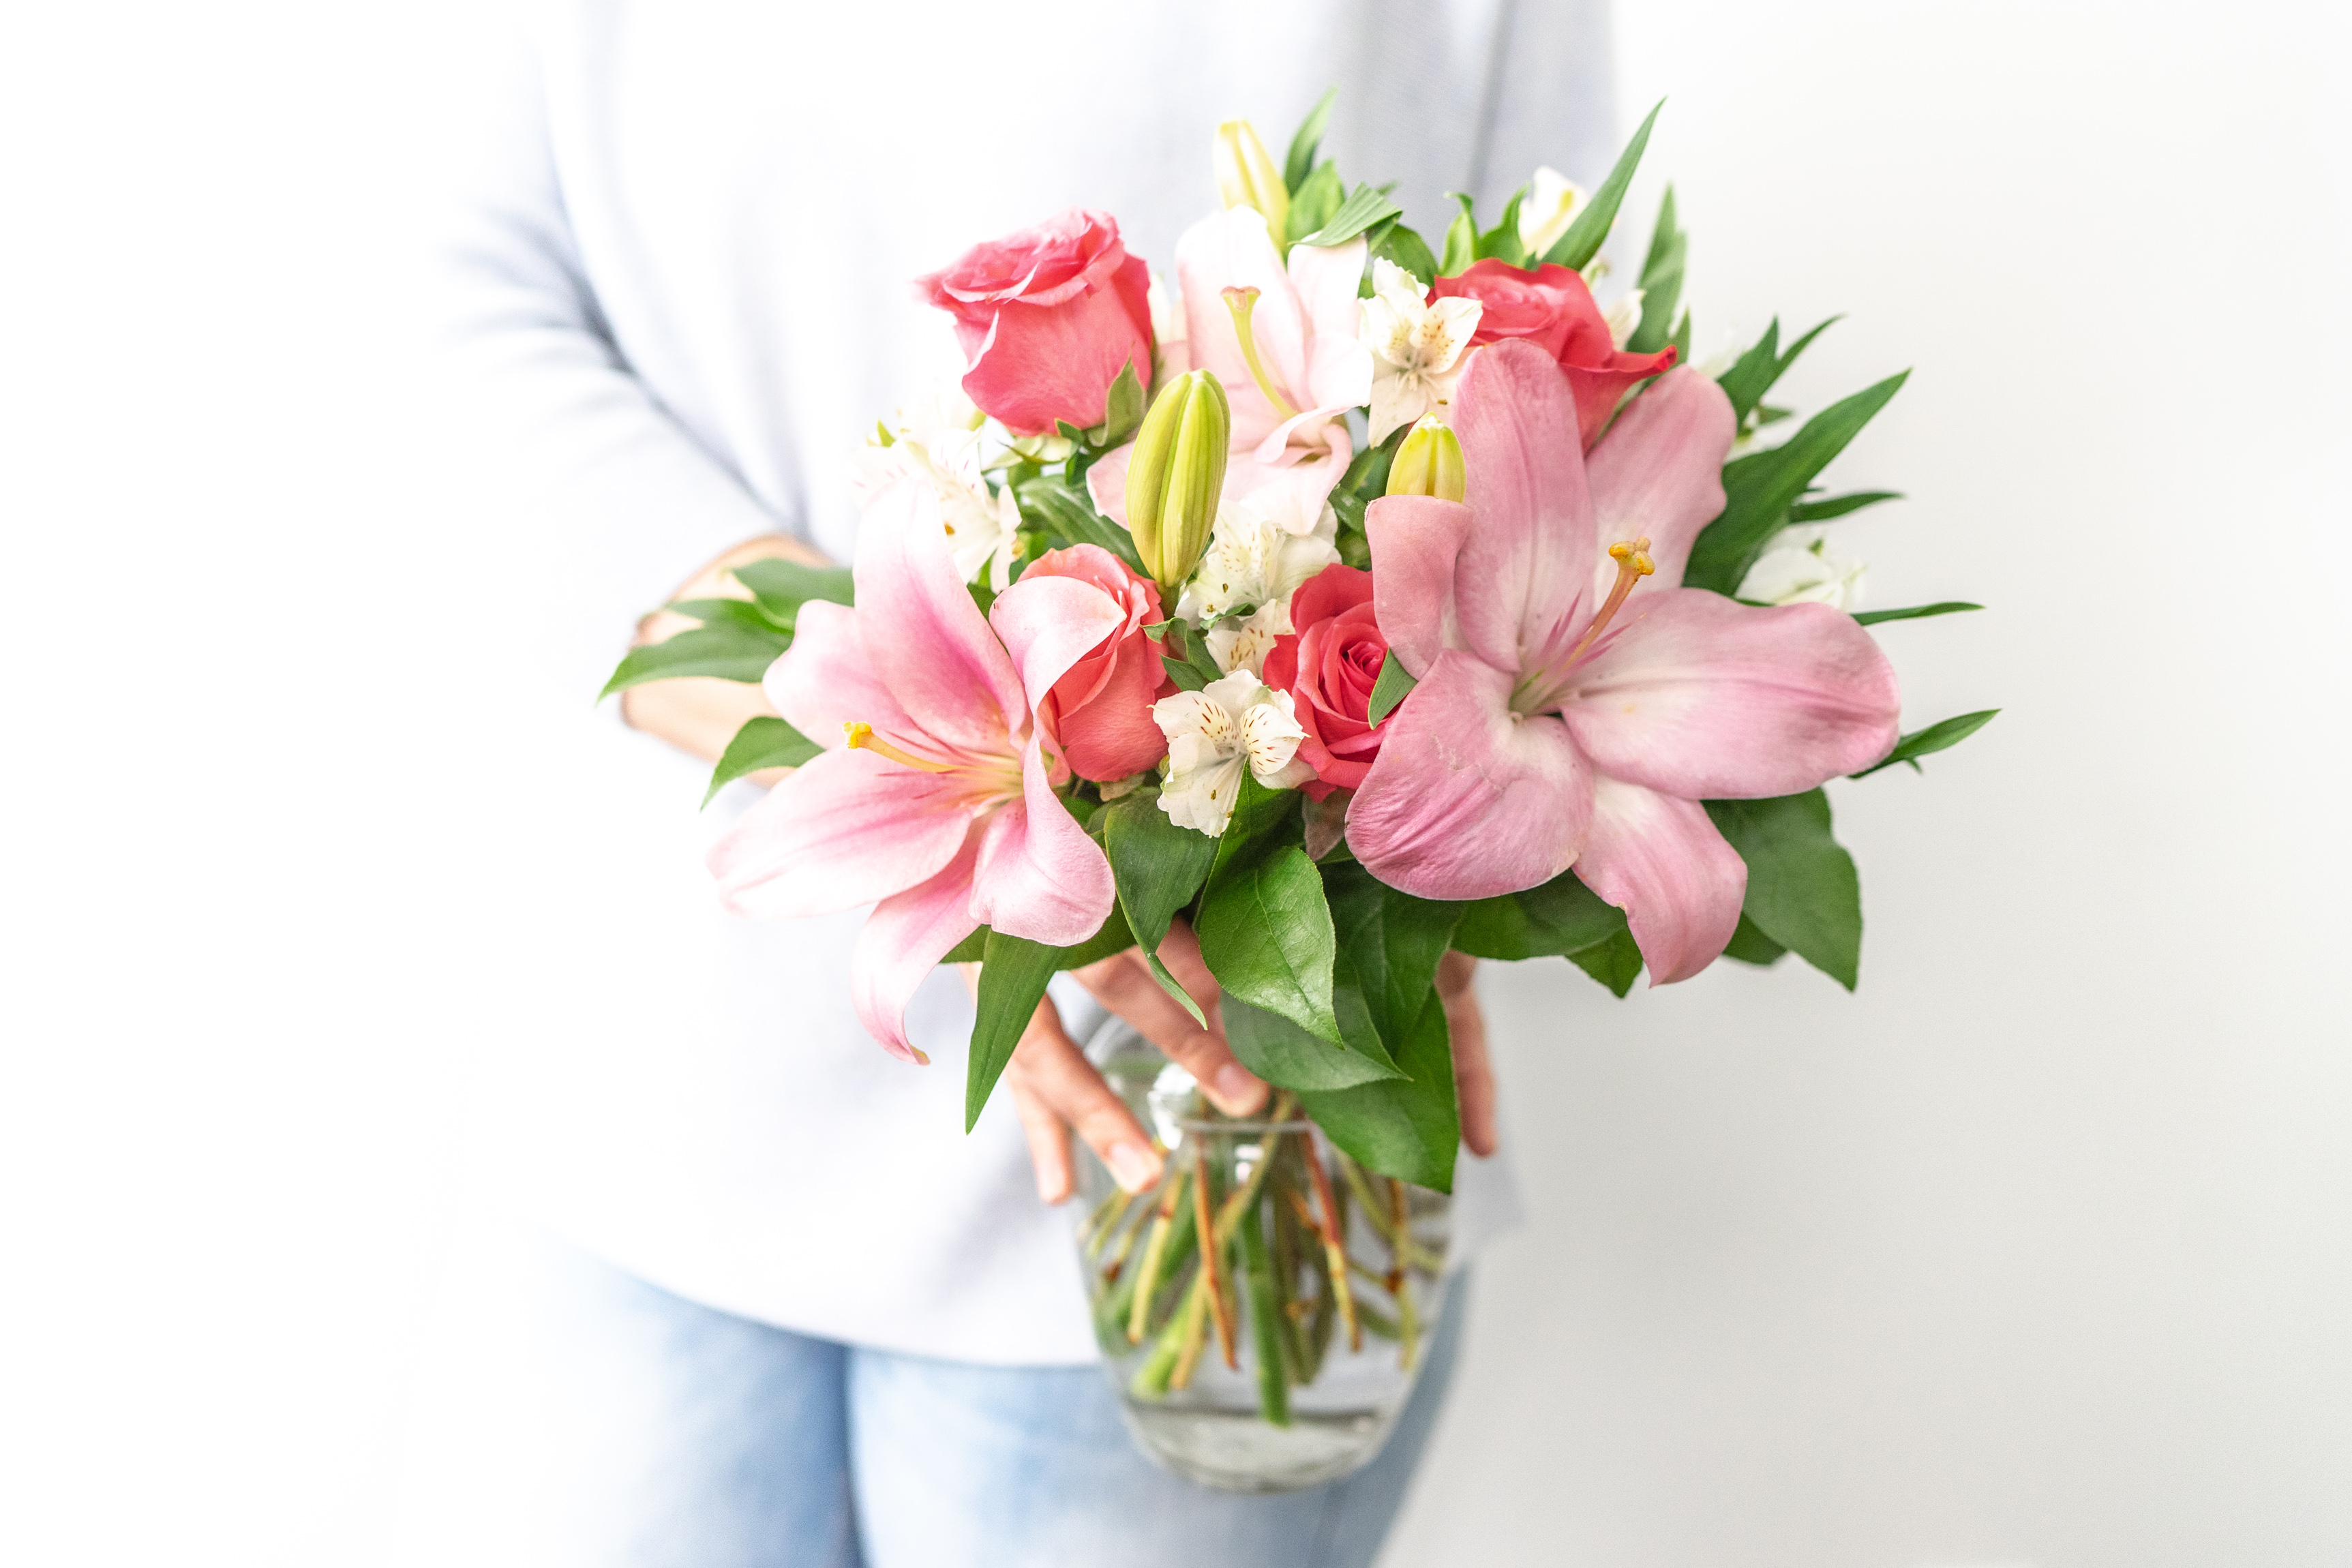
(1285, 1361)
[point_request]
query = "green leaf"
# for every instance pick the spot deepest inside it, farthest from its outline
(1759, 488)
(749, 614)
(1394, 685)
(762, 742)
(1360, 212)
(1616, 963)
(1936, 737)
(1122, 410)
(1803, 891)
(1662, 280)
(1013, 976)
(1064, 509)
(1401, 247)
(727, 651)
(1753, 375)
(1159, 867)
(1306, 141)
(1502, 242)
(783, 586)
(1408, 1128)
(1750, 945)
(1394, 942)
(1111, 936)
(1181, 672)
(1461, 241)
(1561, 916)
(1287, 1056)
(1682, 339)
(1828, 507)
(1589, 227)
(1916, 613)
(1265, 934)
(971, 949)
(1319, 201)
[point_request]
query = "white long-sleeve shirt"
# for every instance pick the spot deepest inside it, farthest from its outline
(678, 285)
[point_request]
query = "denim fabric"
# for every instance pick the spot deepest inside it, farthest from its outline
(574, 1415)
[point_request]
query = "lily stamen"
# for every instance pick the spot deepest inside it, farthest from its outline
(1242, 303)
(861, 734)
(1633, 564)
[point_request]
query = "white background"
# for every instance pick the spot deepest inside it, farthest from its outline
(2035, 1251)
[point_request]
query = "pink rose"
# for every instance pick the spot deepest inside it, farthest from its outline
(1329, 663)
(1048, 316)
(1100, 711)
(1552, 309)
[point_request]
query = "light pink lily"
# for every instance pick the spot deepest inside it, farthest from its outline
(1303, 319)
(934, 799)
(1576, 703)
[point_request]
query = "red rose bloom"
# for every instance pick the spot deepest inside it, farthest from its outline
(1048, 316)
(1329, 663)
(1101, 711)
(1552, 309)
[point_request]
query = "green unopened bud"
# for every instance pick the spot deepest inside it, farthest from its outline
(1428, 463)
(1176, 473)
(1247, 175)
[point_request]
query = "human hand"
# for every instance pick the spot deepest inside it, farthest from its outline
(1055, 1089)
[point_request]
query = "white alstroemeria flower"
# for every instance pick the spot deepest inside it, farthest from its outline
(1252, 560)
(1243, 644)
(1624, 317)
(1212, 734)
(1416, 345)
(1549, 207)
(1797, 568)
(942, 437)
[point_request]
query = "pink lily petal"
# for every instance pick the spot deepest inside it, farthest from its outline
(946, 668)
(825, 680)
(1525, 565)
(1338, 366)
(1415, 542)
(903, 941)
(1661, 860)
(1048, 624)
(1711, 699)
(1658, 472)
(1232, 250)
(1290, 492)
(844, 829)
(1039, 876)
(1467, 800)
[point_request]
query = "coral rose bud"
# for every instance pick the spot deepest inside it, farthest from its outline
(1176, 474)
(1428, 463)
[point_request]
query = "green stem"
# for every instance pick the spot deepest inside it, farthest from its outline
(1257, 1279)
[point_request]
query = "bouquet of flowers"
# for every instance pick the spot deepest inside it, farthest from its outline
(1356, 600)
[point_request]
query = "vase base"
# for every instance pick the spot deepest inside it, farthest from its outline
(1237, 1451)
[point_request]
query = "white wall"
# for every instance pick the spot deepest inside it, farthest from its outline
(2039, 1248)
(2035, 1251)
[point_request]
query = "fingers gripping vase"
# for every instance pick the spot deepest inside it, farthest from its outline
(1280, 1355)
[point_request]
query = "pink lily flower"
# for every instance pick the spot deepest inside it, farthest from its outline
(1290, 444)
(1576, 703)
(934, 799)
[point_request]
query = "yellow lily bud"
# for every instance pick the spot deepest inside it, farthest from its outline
(1428, 463)
(1176, 473)
(1247, 176)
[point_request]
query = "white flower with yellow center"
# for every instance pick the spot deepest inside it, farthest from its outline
(942, 437)
(1549, 207)
(1254, 561)
(1416, 343)
(1212, 734)
(1624, 317)
(1243, 645)
(1797, 568)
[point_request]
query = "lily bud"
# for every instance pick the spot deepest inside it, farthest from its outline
(1428, 463)
(1176, 473)
(1551, 204)
(1247, 175)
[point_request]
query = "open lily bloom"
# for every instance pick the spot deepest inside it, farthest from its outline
(1302, 370)
(934, 798)
(1576, 704)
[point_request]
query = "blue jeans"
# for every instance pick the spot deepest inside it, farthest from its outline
(578, 1415)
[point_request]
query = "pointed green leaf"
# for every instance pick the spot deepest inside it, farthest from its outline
(1616, 964)
(1265, 933)
(1122, 410)
(1287, 1056)
(1590, 226)
(749, 614)
(1408, 1128)
(725, 651)
(1461, 242)
(1749, 945)
(1501, 243)
(1065, 512)
(1936, 737)
(1364, 209)
(1306, 141)
(971, 949)
(762, 742)
(1759, 488)
(1159, 868)
(1561, 916)
(1662, 280)
(1392, 941)
(1401, 247)
(1828, 507)
(783, 586)
(1319, 201)
(1394, 685)
(1682, 339)
(1916, 612)
(1752, 373)
(1803, 891)
(1013, 977)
